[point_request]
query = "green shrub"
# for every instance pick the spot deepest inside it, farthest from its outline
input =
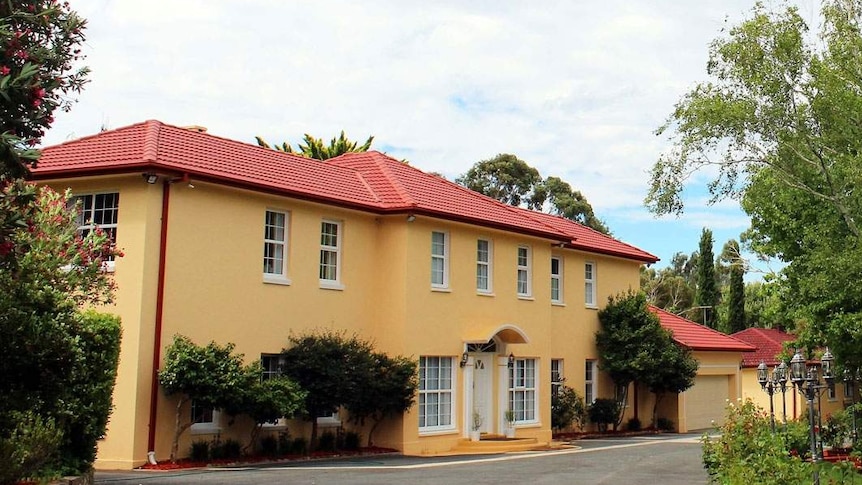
(603, 412)
(665, 424)
(747, 451)
(567, 408)
(200, 451)
(351, 440)
(31, 445)
(634, 424)
(796, 438)
(285, 444)
(269, 445)
(326, 441)
(228, 449)
(299, 446)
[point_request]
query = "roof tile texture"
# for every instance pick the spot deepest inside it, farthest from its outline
(698, 337)
(769, 343)
(369, 181)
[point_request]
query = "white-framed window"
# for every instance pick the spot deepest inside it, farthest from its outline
(330, 254)
(589, 381)
(435, 393)
(590, 284)
(830, 390)
(848, 390)
(439, 259)
(97, 210)
(484, 273)
(275, 246)
(524, 272)
(522, 390)
(328, 419)
(556, 279)
(271, 365)
(205, 419)
(557, 378)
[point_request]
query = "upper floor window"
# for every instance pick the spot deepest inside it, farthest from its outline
(275, 246)
(524, 272)
(483, 266)
(439, 260)
(556, 279)
(590, 283)
(97, 210)
(330, 254)
(271, 365)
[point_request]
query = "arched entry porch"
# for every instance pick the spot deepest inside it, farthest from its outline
(486, 362)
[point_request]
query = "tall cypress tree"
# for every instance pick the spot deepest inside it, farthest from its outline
(736, 293)
(707, 289)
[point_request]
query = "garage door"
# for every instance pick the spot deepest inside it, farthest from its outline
(705, 402)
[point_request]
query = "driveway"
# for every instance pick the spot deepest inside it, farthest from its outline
(670, 459)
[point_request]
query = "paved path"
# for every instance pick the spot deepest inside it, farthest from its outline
(670, 459)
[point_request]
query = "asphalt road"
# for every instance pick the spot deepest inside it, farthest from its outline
(665, 459)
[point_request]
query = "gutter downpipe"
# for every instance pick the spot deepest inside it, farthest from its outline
(160, 300)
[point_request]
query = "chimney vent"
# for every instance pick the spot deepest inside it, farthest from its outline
(196, 128)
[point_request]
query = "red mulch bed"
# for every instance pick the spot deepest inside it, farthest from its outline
(586, 435)
(317, 455)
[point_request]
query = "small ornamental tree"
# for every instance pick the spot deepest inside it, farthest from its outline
(674, 371)
(388, 388)
(39, 43)
(211, 376)
(325, 365)
(567, 408)
(265, 400)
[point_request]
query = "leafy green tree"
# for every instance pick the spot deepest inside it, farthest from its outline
(211, 376)
(635, 348)
(506, 178)
(61, 363)
(388, 389)
(512, 181)
(674, 371)
(39, 43)
(312, 147)
(667, 289)
(736, 292)
(568, 203)
(328, 366)
(779, 120)
(707, 292)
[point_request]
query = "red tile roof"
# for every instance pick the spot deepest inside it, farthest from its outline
(698, 337)
(368, 181)
(769, 343)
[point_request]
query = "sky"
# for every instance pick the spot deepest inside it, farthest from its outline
(573, 88)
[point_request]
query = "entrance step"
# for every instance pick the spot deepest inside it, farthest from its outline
(497, 444)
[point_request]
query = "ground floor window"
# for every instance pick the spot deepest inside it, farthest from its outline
(522, 390)
(204, 419)
(435, 393)
(556, 376)
(590, 381)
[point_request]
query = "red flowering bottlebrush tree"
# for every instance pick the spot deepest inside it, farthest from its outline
(59, 362)
(39, 45)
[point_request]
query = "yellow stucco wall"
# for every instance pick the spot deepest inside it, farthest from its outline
(214, 290)
(797, 407)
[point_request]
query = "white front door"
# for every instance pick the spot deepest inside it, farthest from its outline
(483, 379)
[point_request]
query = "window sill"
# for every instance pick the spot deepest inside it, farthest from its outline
(438, 432)
(558, 303)
(276, 280)
(591, 307)
(528, 425)
(331, 285)
(441, 290)
(526, 298)
(483, 293)
(205, 429)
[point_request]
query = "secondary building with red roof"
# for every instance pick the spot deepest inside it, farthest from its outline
(231, 242)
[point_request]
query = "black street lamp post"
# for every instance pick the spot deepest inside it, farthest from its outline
(772, 384)
(807, 382)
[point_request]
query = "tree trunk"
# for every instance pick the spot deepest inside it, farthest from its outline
(636, 402)
(312, 443)
(178, 429)
(371, 431)
(255, 431)
(658, 398)
(621, 403)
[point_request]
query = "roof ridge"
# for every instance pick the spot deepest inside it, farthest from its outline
(383, 164)
(151, 141)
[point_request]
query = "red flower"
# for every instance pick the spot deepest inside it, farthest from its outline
(5, 71)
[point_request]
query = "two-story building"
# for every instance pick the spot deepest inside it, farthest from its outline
(231, 242)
